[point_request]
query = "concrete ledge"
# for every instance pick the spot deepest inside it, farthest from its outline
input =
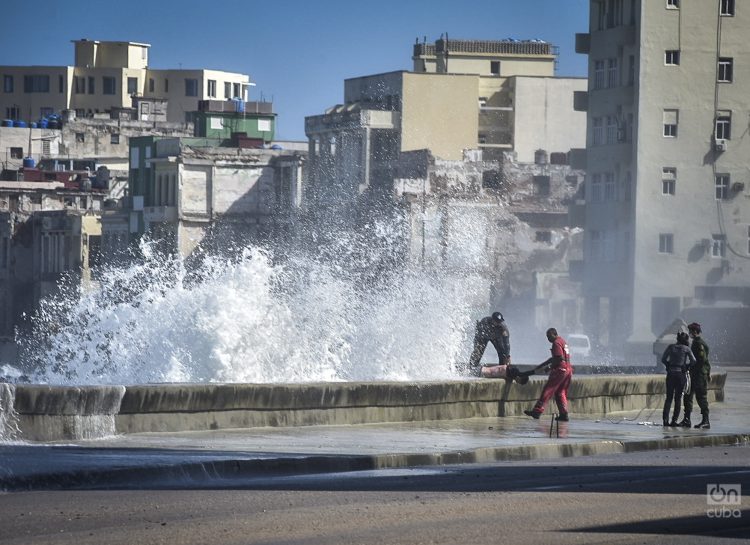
(52, 413)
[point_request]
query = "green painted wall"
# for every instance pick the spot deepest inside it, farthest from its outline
(223, 124)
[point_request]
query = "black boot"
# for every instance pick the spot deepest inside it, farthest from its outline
(562, 417)
(666, 423)
(704, 424)
(533, 413)
(685, 422)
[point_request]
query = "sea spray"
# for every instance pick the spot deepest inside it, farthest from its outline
(8, 416)
(350, 311)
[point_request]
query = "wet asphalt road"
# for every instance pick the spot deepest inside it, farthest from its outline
(648, 497)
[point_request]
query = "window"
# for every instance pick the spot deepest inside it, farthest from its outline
(7, 83)
(668, 180)
(60, 84)
(748, 239)
(132, 86)
(114, 138)
(609, 245)
(598, 74)
(16, 153)
(227, 90)
(12, 112)
(150, 85)
(601, 15)
(718, 246)
(627, 187)
(166, 85)
(596, 188)
(191, 87)
(495, 67)
(212, 88)
(264, 125)
(724, 125)
(36, 84)
(612, 79)
(614, 13)
(670, 123)
(108, 85)
(92, 87)
(544, 236)
(727, 8)
(672, 57)
(79, 84)
(237, 90)
(541, 186)
(673, 4)
(609, 186)
(725, 70)
(631, 69)
(721, 185)
(80, 137)
(598, 132)
(596, 245)
(611, 129)
(666, 243)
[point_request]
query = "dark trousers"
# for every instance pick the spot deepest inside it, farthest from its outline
(675, 385)
(699, 388)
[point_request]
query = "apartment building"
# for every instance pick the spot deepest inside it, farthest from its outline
(106, 75)
(667, 202)
(495, 96)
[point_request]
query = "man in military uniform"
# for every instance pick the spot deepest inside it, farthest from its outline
(700, 375)
(490, 329)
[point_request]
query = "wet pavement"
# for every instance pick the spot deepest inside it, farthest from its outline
(136, 460)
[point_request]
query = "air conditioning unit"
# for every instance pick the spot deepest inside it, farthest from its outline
(720, 144)
(738, 186)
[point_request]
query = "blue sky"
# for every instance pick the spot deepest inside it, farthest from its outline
(297, 51)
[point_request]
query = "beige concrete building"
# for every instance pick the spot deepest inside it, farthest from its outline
(668, 202)
(494, 96)
(106, 75)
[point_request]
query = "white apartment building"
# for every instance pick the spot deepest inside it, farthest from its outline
(107, 75)
(668, 151)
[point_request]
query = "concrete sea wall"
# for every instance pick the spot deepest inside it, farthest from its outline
(48, 413)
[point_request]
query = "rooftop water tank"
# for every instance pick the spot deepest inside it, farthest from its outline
(7, 122)
(28, 162)
(21, 124)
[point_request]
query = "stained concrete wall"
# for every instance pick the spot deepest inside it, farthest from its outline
(50, 413)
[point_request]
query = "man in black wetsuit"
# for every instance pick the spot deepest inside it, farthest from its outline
(490, 329)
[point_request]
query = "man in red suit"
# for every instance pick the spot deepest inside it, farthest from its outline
(560, 373)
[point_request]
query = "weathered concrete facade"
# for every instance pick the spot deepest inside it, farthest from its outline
(190, 192)
(45, 232)
(668, 200)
